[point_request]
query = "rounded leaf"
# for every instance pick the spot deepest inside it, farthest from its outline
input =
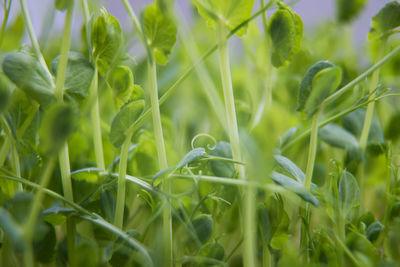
(385, 20)
(121, 81)
(203, 226)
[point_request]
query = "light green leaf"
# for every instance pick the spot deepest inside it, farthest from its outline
(121, 81)
(349, 193)
(27, 73)
(324, 83)
(191, 156)
(294, 186)
(286, 31)
(5, 92)
(78, 76)
(231, 12)
(128, 114)
(306, 84)
(106, 40)
(290, 167)
(160, 33)
(347, 10)
(385, 20)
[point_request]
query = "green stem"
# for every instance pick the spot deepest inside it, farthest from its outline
(119, 211)
(233, 132)
(34, 41)
(4, 151)
(96, 126)
(312, 148)
(367, 123)
(5, 18)
(29, 226)
(162, 158)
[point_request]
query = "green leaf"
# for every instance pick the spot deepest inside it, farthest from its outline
(324, 83)
(385, 20)
(203, 226)
(347, 10)
(106, 41)
(191, 156)
(392, 131)
(78, 76)
(11, 230)
(86, 253)
(374, 230)
(44, 242)
(58, 123)
(160, 33)
(286, 31)
(121, 123)
(221, 168)
(354, 122)
(294, 186)
(5, 92)
(27, 73)
(349, 193)
(232, 12)
(290, 167)
(336, 136)
(107, 205)
(121, 81)
(212, 250)
(306, 85)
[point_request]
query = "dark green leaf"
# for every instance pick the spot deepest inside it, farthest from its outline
(106, 41)
(121, 123)
(385, 20)
(121, 81)
(5, 92)
(20, 206)
(336, 136)
(232, 12)
(294, 186)
(374, 230)
(107, 205)
(44, 242)
(160, 33)
(347, 10)
(203, 226)
(306, 84)
(392, 131)
(78, 76)
(28, 74)
(57, 125)
(212, 250)
(286, 30)
(221, 168)
(349, 193)
(191, 156)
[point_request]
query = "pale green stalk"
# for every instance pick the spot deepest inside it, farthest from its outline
(312, 148)
(121, 191)
(161, 153)
(233, 132)
(4, 151)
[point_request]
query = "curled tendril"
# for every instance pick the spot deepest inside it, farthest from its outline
(210, 146)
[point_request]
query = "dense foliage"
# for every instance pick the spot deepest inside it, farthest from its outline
(277, 147)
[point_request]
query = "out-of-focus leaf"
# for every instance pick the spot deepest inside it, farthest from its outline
(232, 12)
(78, 76)
(294, 186)
(128, 114)
(212, 250)
(106, 41)
(11, 230)
(306, 84)
(5, 92)
(203, 226)
(107, 205)
(86, 254)
(392, 131)
(385, 20)
(286, 31)
(160, 33)
(324, 83)
(61, 4)
(336, 136)
(58, 123)
(347, 10)
(349, 192)
(221, 168)
(27, 73)
(44, 243)
(374, 230)
(121, 81)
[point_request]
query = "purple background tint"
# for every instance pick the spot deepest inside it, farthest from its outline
(311, 11)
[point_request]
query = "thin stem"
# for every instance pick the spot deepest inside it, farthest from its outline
(34, 41)
(4, 151)
(5, 19)
(312, 148)
(233, 132)
(95, 117)
(162, 157)
(119, 211)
